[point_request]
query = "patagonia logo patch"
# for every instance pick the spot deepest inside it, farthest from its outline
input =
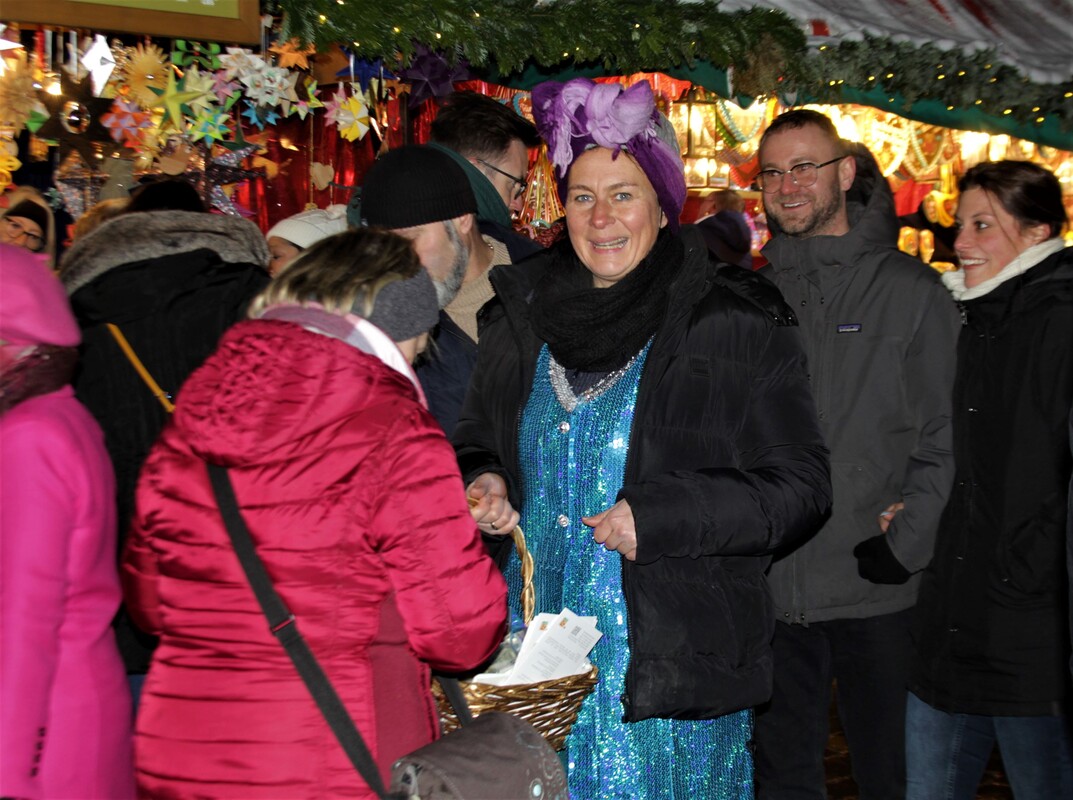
(849, 327)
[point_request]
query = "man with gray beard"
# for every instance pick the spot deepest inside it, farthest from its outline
(422, 194)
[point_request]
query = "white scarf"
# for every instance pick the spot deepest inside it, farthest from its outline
(955, 279)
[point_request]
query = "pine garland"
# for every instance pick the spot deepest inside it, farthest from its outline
(958, 80)
(623, 35)
(765, 48)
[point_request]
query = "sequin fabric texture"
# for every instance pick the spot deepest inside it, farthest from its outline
(573, 464)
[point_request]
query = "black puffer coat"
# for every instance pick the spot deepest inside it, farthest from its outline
(992, 636)
(726, 463)
(173, 282)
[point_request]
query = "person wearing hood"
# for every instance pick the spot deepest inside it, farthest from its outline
(154, 287)
(356, 506)
(991, 638)
(647, 412)
(880, 333)
(64, 704)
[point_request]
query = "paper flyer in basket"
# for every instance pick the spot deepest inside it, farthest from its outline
(561, 649)
(555, 646)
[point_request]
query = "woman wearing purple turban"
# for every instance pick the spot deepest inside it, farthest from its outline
(648, 412)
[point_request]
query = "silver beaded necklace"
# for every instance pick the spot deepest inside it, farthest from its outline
(565, 395)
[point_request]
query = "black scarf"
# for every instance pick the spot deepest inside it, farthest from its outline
(599, 330)
(45, 370)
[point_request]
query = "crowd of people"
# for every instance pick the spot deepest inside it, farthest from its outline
(842, 472)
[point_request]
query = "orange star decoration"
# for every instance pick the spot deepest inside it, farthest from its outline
(290, 54)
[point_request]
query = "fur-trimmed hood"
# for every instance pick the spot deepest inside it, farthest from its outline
(149, 235)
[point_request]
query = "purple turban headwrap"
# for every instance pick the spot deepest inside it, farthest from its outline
(575, 116)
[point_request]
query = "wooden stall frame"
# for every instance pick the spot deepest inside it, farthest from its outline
(113, 18)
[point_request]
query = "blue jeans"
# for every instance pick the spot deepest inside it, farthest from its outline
(946, 754)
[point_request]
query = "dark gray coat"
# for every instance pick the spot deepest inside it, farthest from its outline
(880, 332)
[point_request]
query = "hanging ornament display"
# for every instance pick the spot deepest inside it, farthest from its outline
(17, 96)
(310, 101)
(541, 206)
(321, 175)
(352, 118)
(206, 56)
(75, 121)
(431, 76)
(202, 82)
(126, 122)
(174, 101)
(210, 125)
(99, 62)
(78, 184)
(292, 54)
(144, 69)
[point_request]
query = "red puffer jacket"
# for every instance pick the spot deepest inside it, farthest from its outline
(354, 500)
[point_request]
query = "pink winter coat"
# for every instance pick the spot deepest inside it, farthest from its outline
(65, 717)
(355, 503)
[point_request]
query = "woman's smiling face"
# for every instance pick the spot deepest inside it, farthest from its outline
(612, 214)
(990, 237)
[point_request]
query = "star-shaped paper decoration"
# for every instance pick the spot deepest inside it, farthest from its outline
(362, 69)
(238, 141)
(311, 101)
(352, 118)
(210, 125)
(429, 75)
(292, 54)
(172, 99)
(100, 62)
(224, 89)
(332, 106)
(196, 81)
(125, 122)
(75, 120)
(260, 116)
(240, 62)
(288, 92)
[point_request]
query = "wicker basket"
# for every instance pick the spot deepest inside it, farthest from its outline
(549, 706)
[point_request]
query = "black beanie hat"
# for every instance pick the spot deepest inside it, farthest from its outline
(28, 209)
(415, 185)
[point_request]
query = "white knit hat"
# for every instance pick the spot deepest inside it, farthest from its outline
(309, 227)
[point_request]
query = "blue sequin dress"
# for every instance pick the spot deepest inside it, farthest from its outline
(573, 464)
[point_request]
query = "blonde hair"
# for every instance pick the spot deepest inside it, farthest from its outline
(99, 214)
(342, 272)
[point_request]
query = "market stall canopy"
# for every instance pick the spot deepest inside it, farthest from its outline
(1036, 36)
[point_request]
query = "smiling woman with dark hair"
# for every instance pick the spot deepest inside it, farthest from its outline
(992, 638)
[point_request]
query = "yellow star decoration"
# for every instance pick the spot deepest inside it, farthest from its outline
(291, 56)
(171, 99)
(353, 118)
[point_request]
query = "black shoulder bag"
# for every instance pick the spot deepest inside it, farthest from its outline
(493, 757)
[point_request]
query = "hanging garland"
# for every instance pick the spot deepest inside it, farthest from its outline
(624, 35)
(911, 73)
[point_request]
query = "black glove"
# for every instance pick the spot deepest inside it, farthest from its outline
(876, 563)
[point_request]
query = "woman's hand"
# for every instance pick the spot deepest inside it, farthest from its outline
(888, 515)
(615, 530)
(492, 510)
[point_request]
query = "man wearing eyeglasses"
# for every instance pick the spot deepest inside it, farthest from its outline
(880, 334)
(491, 143)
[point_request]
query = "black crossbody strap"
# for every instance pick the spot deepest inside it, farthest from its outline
(283, 626)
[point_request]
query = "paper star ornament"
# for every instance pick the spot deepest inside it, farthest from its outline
(99, 62)
(209, 125)
(292, 54)
(125, 122)
(174, 101)
(352, 118)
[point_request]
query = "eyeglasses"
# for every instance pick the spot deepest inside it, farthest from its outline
(15, 229)
(522, 184)
(802, 175)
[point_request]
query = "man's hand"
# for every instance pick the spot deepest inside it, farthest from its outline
(876, 562)
(615, 530)
(888, 514)
(492, 510)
